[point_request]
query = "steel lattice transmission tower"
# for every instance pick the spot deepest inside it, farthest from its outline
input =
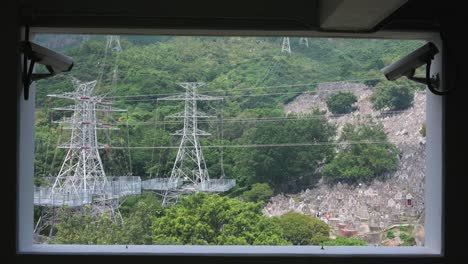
(189, 173)
(304, 41)
(190, 165)
(113, 44)
(82, 172)
(286, 47)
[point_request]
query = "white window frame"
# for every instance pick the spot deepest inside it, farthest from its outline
(433, 178)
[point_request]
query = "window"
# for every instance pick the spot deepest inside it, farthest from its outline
(250, 111)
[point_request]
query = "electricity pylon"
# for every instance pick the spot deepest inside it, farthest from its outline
(82, 172)
(304, 41)
(113, 44)
(190, 165)
(286, 47)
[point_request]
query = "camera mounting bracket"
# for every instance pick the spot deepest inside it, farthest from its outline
(29, 60)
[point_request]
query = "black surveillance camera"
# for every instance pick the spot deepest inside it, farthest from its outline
(53, 61)
(407, 67)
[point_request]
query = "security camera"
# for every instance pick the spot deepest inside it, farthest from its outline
(407, 65)
(53, 61)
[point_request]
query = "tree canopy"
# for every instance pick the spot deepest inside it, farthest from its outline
(259, 192)
(341, 102)
(300, 229)
(84, 227)
(392, 97)
(370, 157)
(345, 241)
(204, 219)
(280, 152)
(293, 167)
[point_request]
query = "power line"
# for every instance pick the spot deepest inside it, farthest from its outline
(250, 88)
(253, 95)
(269, 145)
(234, 120)
(262, 119)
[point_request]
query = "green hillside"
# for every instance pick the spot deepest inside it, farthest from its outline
(252, 74)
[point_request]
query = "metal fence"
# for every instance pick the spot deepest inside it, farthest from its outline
(114, 188)
(46, 196)
(161, 184)
(123, 186)
(216, 185)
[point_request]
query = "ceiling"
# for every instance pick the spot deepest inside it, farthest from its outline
(318, 15)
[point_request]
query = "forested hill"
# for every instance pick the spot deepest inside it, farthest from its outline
(252, 75)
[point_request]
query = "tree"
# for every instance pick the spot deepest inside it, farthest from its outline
(288, 168)
(83, 228)
(392, 97)
(341, 102)
(204, 219)
(251, 63)
(369, 155)
(301, 229)
(345, 241)
(260, 192)
(137, 225)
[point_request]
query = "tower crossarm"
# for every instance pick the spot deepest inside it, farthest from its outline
(108, 108)
(78, 97)
(99, 108)
(184, 97)
(198, 132)
(200, 114)
(83, 147)
(97, 128)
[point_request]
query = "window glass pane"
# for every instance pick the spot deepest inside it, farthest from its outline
(174, 140)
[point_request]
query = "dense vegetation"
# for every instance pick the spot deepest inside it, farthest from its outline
(205, 219)
(259, 192)
(84, 227)
(256, 82)
(150, 67)
(341, 102)
(392, 97)
(362, 162)
(200, 219)
(302, 229)
(345, 241)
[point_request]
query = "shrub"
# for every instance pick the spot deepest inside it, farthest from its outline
(390, 235)
(408, 240)
(422, 131)
(345, 241)
(301, 229)
(392, 97)
(259, 192)
(341, 102)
